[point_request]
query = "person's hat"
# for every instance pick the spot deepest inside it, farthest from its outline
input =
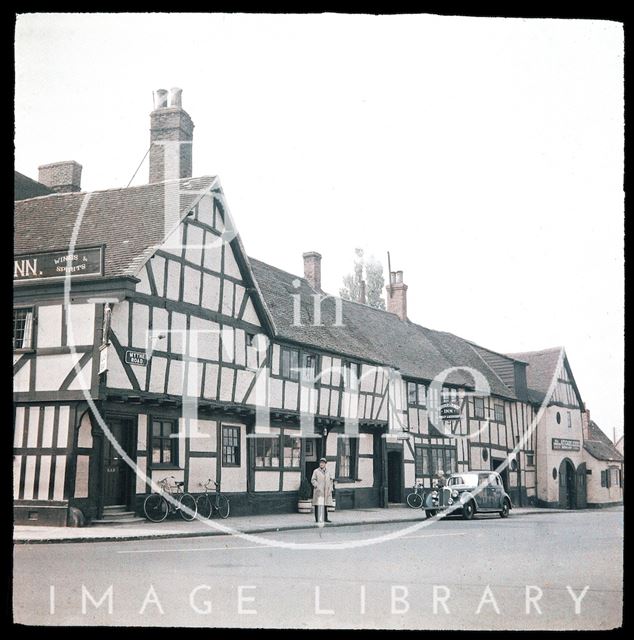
(441, 472)
(323, 460)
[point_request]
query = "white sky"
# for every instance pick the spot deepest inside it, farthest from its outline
(485, 154)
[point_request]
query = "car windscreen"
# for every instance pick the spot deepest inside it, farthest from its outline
(469, 479)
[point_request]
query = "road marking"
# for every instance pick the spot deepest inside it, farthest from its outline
(432, 535)
(187, 549)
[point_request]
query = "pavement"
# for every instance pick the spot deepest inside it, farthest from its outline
(24, 534)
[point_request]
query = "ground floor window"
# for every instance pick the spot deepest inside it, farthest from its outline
(267, 452)
(346, 457)
(230, 446)
(429, 460)
(611, 478)
(164, 446)
(283, 450)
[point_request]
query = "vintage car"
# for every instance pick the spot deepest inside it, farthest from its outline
(468, 493)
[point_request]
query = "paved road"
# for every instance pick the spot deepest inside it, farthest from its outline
(473, 567)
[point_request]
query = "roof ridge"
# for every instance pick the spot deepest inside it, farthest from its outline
(113, 189)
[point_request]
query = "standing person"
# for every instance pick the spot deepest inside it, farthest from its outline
(441, 481)
(322, 494)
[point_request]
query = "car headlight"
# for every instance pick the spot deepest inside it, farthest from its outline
(454, 494)
(450, 501)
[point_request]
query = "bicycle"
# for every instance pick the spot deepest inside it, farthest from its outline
(415, 498)
(207, 505)
(157, 507)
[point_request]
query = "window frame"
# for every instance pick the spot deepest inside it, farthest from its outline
(497, 404)
(426, 459)
(419, 390)
(31, 325)
(289, 370)
(174, 444)
(476, 413)
(279, 440)
(226, 428)
(353, 458)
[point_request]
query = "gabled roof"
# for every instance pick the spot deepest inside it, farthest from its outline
(599, 446)
(542, 367)
(25, 187)
(368, 334)
(130, 221)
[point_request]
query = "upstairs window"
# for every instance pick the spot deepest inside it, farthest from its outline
(499, 412)
(478, 407)
(351, 375)
(289, 364)
(22, 327)
(415, 394)
(309, 367)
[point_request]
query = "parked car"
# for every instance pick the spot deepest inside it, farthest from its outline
(468, 493)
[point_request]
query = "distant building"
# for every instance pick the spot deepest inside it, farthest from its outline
(101, 379)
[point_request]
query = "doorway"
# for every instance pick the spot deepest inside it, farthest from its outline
(394, 476)
(116, 471)
(567, 485)
(503, 469)
(312, 453)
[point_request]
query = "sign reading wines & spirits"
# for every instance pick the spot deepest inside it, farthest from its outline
(58, 264)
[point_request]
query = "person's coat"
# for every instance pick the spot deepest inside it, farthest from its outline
(322, 483)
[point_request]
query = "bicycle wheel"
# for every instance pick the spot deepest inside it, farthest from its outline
(415, 500)
(187, 507)
(204, 505)
(222, 506)
(155, 508)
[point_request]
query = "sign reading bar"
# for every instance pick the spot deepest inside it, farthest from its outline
(565, 444)
(136, 357)
(450, 412)
(58, 264)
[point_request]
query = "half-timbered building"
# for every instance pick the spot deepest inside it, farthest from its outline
(147, 343)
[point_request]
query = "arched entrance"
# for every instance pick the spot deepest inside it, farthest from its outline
(567, 485)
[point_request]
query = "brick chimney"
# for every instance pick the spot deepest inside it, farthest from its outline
(170, 124)
(312, 269)
(61, 177)
(397, 295)
(362, 295)
(585, 424)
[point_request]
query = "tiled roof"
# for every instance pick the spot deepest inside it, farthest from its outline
(367, 333)
(128, 221)
(542, 367)
(599, 446)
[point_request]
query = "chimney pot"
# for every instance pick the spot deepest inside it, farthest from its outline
(61, 177)
(160, 99)
(176, 100)
(312, 269)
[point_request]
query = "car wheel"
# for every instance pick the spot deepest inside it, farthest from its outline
(430, 513)
(506, 507)
(468, 510)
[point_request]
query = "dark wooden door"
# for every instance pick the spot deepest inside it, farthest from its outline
(116, 469)
(567, 485)
(394, 476)
(582, 499)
